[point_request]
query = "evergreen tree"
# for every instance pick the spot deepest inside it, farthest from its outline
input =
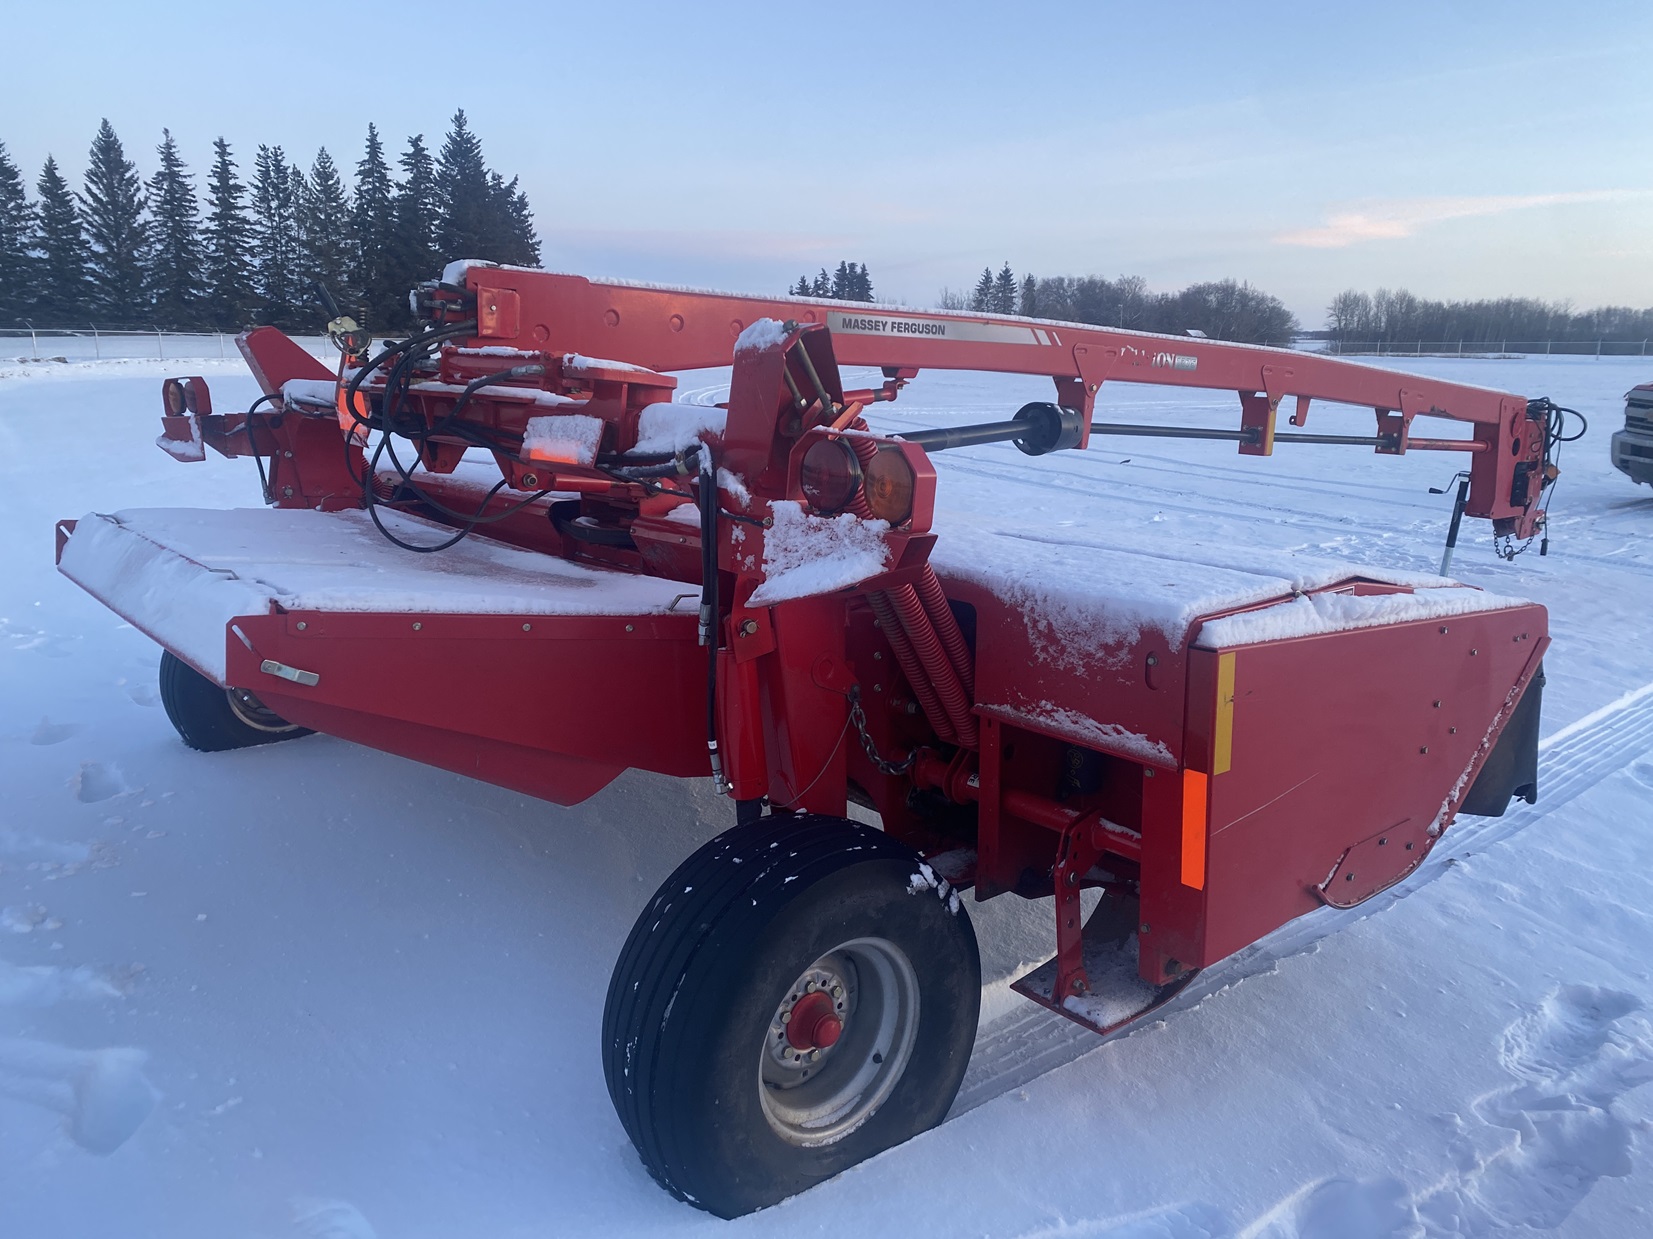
(513, 221)
(467, 226)
(413, 240)
(841, 282)
(1029, 298)
(17, 232)
(65, 288)
(801, 289)
(175, 277)
(373, 221)
(822, 285)
(276, 237)
(982, 296)
(228, 235)
(326, 231)
(1005, 291)
(112, 208)
(860, 283)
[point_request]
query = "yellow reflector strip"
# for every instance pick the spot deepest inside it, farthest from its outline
(1194, 799)
(1222, 748)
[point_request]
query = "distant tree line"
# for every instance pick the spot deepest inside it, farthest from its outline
(848, 283)
(1223, 309)
(1396, 315)
(123, 251)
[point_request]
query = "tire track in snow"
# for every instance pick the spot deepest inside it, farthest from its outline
(1029, 1042)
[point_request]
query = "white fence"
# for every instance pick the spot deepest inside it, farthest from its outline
(96, 344)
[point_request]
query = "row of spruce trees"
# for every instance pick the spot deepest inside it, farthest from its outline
(126, 252)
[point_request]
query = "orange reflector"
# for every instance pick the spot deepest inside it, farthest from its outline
(353, 424)
(1195, 799)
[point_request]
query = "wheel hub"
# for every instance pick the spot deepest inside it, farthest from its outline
(814, 1024)
(810, 1020)
(839, 1042)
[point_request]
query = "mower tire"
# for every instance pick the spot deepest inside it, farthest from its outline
(212, 719)
(800, 995)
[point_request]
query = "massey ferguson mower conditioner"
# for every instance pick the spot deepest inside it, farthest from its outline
(754, 593)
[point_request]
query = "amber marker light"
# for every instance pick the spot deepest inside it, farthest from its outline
(890, 482)
(829, 476)
(197, 399)
(173, 398)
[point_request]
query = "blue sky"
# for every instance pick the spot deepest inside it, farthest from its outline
(1457, 149)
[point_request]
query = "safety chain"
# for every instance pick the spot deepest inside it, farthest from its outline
(1505, 548)
(858, 716)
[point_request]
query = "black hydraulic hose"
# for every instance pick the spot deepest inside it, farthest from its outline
(435, 335)
(709, 627)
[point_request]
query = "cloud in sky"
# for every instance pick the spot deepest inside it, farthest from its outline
(1402, 217)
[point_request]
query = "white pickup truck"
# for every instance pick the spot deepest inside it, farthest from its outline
(1633, 446)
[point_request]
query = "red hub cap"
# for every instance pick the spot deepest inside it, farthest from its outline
(814, 1024)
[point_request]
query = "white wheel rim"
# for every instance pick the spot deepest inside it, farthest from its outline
(813, 1097)
(255, 714)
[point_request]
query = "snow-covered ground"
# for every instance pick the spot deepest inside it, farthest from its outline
(363, 996)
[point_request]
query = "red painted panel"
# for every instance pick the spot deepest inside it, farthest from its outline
(1338, 739)
(526, 682)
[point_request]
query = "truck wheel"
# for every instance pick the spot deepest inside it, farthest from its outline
(212, 719)
(800, 995)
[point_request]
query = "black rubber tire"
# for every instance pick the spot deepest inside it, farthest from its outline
(709, 960)
(203, 716)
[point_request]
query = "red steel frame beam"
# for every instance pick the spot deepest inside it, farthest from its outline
(678, 329)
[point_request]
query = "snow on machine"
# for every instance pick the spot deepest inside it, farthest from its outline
(1217, 742)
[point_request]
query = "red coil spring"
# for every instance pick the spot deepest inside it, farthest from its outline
(911, 668)
(936, 665)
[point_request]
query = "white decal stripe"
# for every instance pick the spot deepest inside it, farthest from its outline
(961, 330)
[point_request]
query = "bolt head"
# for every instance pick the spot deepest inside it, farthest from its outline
(417, 626)
(302, 625)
